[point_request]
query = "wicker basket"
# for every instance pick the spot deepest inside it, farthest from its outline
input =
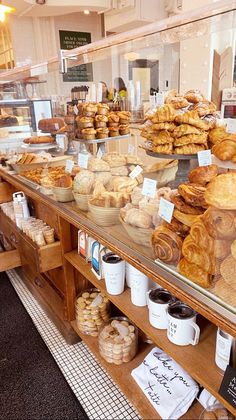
(138, 235)
(63, 194)
(82, 200)
(104, 216)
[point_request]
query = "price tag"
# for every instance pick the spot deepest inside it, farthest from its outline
(131, 149)
(99, 153)
(136, 171)
(166, 209)
(83, 160)
(60, 140)
(39, 69)
(231, 125)
(149, 187)
(69, 166)
(204, 158)
(76, 111)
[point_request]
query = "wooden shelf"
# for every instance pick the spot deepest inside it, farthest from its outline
(198, 361)
(122, 376)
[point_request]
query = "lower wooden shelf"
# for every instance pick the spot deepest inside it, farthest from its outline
(122, 376)
(198, 361)
(9, 260)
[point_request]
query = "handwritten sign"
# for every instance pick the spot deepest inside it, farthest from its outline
(136, 172)
(69, 166)
(60, 140)
(231, 125)
(131, 149)
(83, 160)
(228, 386)
(149, 187)
(166, 209)
(204, 158)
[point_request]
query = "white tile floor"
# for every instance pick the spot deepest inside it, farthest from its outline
(95, 390)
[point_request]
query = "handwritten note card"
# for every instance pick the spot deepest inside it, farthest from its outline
(149, 187)
(166, 209)
(83, 160)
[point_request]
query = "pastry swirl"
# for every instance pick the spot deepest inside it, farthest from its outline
(195, 273)
(193, 194)
(220, 224)
(167, 245)
(194, 254)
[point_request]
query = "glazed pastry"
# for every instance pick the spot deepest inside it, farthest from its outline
(221, 192)
(177, 102)
(164, 114)
(192, 118)
(83, 182)
(191, 139)
(114, 160)
(98, 165)
(225, 292)
(194, 96)
(194, 254)
(162, 137)
(193, 194)
(195, 273)
(185, 129)
(103, 109)
(102, 132)
(177, 227)
(138, 218)
(88, 134)
(164, 126)
(227, 270)
(225, 149)
(166, 149)
(203, 174)
(219, 223)
(124, 129)
(183, 207)
(167, 245)
(124, 117)
(189, 149)
(186, 219)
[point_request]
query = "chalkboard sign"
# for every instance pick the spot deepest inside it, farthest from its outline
(228, 386)
(72, 39)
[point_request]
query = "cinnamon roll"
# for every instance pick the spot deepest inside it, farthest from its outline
(167, 245)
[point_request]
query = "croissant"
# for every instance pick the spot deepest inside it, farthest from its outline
(193, 253)
(139, 218)
(219, 223)
(225, 149)
(177, 227)
(182, 206)
(203, 108)
(192, 118)
(164, 126)
(216, 247)
(166, 149)
(195, 273)
(194, 96)
(221, 191)
(219, 133)
(167, 245)
(186, 219)
(191, 139)
(164, 114)
(177, 102)
(193, 194)
(189, 149)
(203, 174)
(163, 137)
(185, 129)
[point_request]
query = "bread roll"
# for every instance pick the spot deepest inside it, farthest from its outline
(84, 182)
(98, 165)
(138, 218)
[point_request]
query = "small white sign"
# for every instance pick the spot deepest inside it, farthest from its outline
(131, 149)
(160, 99)
(60, 140)
(99, 153)
(231, 125)
(204, 158)
(149, 187)
(69, 166)
(166, 209)
(83, 160)
(76, 111)
(37, 70)
(136, 171)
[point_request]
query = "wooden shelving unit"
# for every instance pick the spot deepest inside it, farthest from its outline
(198, 360)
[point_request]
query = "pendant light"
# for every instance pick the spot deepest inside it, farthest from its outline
(5, 9)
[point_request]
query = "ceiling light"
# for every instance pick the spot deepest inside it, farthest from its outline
(131, 56)
(86, 12)
(4, 10)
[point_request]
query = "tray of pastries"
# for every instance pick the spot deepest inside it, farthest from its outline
(30, 161)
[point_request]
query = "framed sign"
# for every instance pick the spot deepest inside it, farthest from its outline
(68, 41)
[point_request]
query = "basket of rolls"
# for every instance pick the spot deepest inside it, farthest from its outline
(63, 189)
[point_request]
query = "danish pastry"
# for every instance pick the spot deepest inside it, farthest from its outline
(189, 149)
(192, 118)
(194, 96)
(193, 194)
(195, 273)
(220, 224)
(167, 245)
(185, 129)
(203, 174)
(191, 139)
(193, 253)
(221, 192)
(183, 207)
(186, 219)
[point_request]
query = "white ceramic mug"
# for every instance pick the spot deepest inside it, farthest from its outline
(114, 273)
(139, 287)
(182, 328)
(158, 302)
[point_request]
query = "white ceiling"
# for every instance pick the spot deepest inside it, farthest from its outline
(56, 7)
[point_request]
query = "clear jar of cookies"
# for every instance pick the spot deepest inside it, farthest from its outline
(92, 310)
(118, 340)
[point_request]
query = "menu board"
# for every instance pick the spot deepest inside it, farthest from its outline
(68, 41)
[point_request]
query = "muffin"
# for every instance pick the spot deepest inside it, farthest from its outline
(101, 121)
(113, 131)
(84, 122)
(89, 110)
(103, 109)
(113, 119)
(124, 129)
(88, 133)
(124, 117)
(102, 133)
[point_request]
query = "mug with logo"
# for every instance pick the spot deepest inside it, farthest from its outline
(114, 273)
(182, 328)
(158, 302)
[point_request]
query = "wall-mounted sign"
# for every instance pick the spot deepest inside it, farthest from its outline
(68, 41)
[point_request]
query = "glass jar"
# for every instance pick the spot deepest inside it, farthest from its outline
(92, 310)
(118, 340)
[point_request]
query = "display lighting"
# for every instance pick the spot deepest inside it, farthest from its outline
(86, 12)
(5, 9)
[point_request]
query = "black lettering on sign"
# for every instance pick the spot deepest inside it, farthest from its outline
(228, 386)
